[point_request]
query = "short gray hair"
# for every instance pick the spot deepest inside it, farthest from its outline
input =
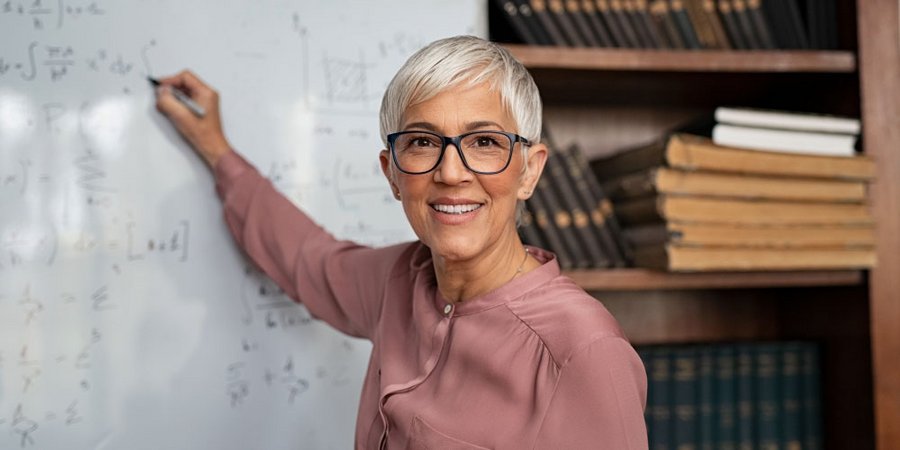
(446, 63)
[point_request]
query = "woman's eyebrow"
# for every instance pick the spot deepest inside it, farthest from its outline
(424, 125)
(469, 126)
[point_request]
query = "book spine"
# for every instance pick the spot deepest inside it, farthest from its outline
(768, 397)
(731, 26)
(539, 7)
(792, 428)
(657, 35)
(532, 22)
(602, 211)
(581, 222)
(746, 25)
(812, 403)
(706, 366)
(579, 18)
(563, 223)
(548, 230)
(709, 7)
(684, 407)
(637, 23)
(746, 397)
(726, 399)
(617, 11)
(777, 17)
(612, 24)
(700, 23)
(558, 12)
(688, 34)
(518, 23)
(760, 24)
(529, 231)
(796, 21)
(596, 22)
(660, 389)
(659, 10)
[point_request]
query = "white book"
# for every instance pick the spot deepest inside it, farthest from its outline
(787, 120)
(767, 139)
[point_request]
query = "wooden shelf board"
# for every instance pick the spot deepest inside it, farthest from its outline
(536, 57)
(645, 280)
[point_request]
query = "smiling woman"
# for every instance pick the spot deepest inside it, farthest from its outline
(478, 341)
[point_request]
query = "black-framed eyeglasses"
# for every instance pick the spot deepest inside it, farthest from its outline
(482, 152)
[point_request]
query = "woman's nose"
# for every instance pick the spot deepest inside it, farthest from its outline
(452, 170)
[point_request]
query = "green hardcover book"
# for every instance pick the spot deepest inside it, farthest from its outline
(791, 429)
(707, 396)
(812, 402)
(562, 220)
(529, 231)
(768, 397)
(660, 390)
(685, 427)
(726, 398)
(548, 230)
(646, 355)
(746, 397)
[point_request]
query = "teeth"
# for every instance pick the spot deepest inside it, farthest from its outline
(456, 209)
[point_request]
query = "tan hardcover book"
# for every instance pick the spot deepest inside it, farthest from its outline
(751, 187)
(718, 28)
(697, 259)
(702, 26)
(672, 208)
(689, 152)
(728, 235)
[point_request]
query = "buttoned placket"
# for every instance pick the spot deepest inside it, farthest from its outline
(442, 331)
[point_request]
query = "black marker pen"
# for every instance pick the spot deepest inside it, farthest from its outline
(183, 98)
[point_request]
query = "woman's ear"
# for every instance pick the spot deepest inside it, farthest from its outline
(534, 166)
(385, 159)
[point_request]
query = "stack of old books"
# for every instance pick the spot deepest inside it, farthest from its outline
(688, 203)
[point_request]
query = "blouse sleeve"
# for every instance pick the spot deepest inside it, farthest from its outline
(599, 400)
(338, 281)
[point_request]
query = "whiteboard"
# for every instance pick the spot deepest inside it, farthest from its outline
(128, 318)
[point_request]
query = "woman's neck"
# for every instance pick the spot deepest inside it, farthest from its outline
(459, 281)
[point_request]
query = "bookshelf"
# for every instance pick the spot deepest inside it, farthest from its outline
(610, 99)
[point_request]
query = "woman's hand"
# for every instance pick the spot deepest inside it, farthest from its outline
(204, 134)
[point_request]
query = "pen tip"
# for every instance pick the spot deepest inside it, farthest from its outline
(153, 81)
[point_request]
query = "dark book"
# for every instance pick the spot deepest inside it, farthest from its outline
(563, 223)
(706, 387)
(684, 397)
(617, 11)
(523, 31)
(776, 16)
(532, 22)
(812, 402)
(603, 36)
(701, 24)
(551, 236)
(564, 21)
(732, 28)
(769, 414)
(545, 18)
(602, 214)
(632, 14)
(580, 19)
(659, 11)
(726, 398)
(712, 14)
(829, 25)
(745, 396)
(656, 34)
(529, 231)
(746, 24)
(564, 189)
(659, 395)
(761, 25)
(797, 26)
(792, 427)
(688, 34)
(612, 24)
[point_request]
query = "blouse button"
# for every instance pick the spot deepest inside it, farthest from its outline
(447, 309)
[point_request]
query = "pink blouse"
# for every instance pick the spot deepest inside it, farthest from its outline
(535, 364)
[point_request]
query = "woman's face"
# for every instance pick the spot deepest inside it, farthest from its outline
(488, 202)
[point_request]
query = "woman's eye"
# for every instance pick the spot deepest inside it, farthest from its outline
(422, 142)
(485, 141)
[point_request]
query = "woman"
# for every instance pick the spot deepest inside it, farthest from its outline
(478, 341)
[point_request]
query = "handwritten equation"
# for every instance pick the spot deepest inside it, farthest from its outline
(39, 61)
(43, 14)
